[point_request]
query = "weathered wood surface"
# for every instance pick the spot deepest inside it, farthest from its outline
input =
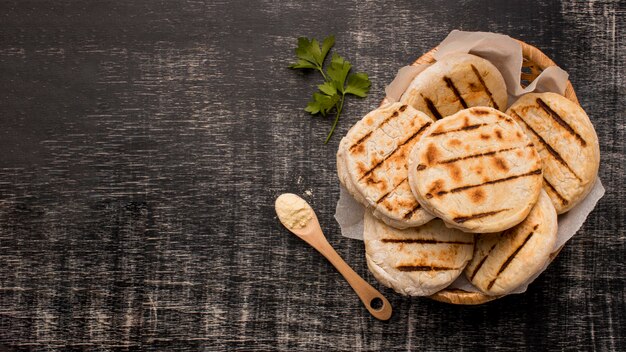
(143, 144)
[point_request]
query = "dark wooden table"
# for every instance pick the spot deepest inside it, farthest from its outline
(144, 142)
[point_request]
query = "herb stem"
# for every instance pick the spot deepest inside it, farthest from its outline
(319, 68)
(332, 129)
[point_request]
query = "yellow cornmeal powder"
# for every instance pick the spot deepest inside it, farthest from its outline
(293, 211)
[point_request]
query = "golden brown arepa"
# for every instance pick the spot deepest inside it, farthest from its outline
(372, 163)
(476, 170)
(454, 83)
(566, 142)
(417, 261)
(503, 262)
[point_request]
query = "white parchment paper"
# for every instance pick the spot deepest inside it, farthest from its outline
(501, 50)
(506, 54)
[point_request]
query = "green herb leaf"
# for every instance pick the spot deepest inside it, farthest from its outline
(328, 43)
(332, 93)
(302, 64)
(316, 52)
(328, 88)
(358, 84)
(338, 71)
(305, 50)
(309, 53)
(322, 103)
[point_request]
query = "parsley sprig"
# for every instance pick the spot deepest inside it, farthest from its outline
(338, 81)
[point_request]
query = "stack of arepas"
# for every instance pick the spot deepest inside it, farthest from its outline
(455, 182)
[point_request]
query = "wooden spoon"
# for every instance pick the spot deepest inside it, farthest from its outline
(312, 234)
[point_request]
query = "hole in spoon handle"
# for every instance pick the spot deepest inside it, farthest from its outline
(378, 305)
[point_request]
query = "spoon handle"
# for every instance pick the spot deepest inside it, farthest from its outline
(368, 294)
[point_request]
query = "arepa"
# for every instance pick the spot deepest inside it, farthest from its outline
(566, 142)
(454, 83)
(418, 261)
(476, 170)
(372, 163)
(503, 262)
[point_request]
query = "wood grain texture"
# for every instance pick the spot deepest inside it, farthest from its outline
(143, 144)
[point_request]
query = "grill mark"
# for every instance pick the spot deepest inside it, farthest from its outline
(482, 262)
(423, 268)
(463, 188)
(561, 198)
(387, 119)
(421, 241)
(399, 146)
(412, 211)
(549, 148)
(393, 189)
(510, 258)
(556, 117)
(482, 82)
(464, 128)
(361, 140)
(423, 127)
(456, 92)
(462, 219)
(482, 154)
(384, 196)
(433, 109)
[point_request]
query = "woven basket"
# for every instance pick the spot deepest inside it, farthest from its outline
(533, 64)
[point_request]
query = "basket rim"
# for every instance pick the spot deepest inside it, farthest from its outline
(529, 52)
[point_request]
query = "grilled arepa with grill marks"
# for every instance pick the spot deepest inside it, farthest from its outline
(418, 261)
(503, 262)
(566, 142)
(454, 83)
(372, 163)
(476, 170)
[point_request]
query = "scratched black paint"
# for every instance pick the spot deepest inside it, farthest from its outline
(143, 144)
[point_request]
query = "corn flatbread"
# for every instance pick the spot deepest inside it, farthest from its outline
(476, 170)
(418, 261)
(372, 163)
(504, 261)
(454, 83)
(566, 142)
